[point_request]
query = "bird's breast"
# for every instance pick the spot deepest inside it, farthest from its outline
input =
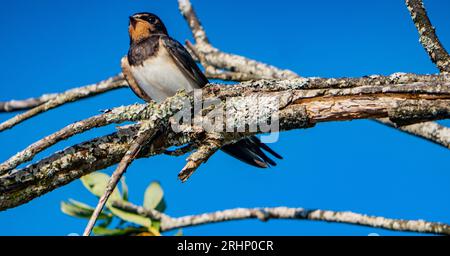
(160, 77)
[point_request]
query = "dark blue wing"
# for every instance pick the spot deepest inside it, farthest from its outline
(184, 61)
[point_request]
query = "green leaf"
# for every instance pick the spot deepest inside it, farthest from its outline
(80, 210)
(124, 189)
(96, 183)
(131, 217)
(156, 224)
(102, 231)
(161, 207)
(154, 197)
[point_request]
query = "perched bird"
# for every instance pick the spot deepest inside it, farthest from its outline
(159, 66)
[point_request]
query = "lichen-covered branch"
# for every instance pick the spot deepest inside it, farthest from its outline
(265, 213)
(427, 35)
(56, 100)
(300, 104)
(116, 115)
(63, 167)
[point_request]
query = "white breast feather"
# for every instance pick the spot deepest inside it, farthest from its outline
(160, 77)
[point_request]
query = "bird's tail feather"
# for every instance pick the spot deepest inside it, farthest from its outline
(249, 150)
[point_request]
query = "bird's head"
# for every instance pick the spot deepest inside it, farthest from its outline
(143, 25)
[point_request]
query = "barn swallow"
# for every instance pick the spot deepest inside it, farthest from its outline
(159, 66)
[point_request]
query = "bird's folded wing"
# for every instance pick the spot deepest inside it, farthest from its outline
(184, 61)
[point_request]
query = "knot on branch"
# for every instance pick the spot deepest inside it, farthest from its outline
(262, 215)
(295, 118)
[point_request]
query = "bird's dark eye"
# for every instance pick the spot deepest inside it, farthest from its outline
(151, 19)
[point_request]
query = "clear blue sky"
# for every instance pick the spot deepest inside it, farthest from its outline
(361, 166)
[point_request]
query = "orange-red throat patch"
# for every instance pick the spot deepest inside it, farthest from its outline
(139, 29)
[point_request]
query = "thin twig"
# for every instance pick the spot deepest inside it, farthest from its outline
(145, 133)
(265, 213)
(150, 213)
(15, 105)
(427, 35)
(66, 97)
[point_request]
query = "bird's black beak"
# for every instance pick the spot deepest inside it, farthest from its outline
(133, 21)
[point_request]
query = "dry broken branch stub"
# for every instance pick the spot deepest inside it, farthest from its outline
(298, 108)
(210, 145)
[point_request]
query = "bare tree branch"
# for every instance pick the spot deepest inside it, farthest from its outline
(264, 214)
(428, 37)
(298, 108)
(146, 132)
(59, 99)
(221, 60)
(15, 105)
(63, 167)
